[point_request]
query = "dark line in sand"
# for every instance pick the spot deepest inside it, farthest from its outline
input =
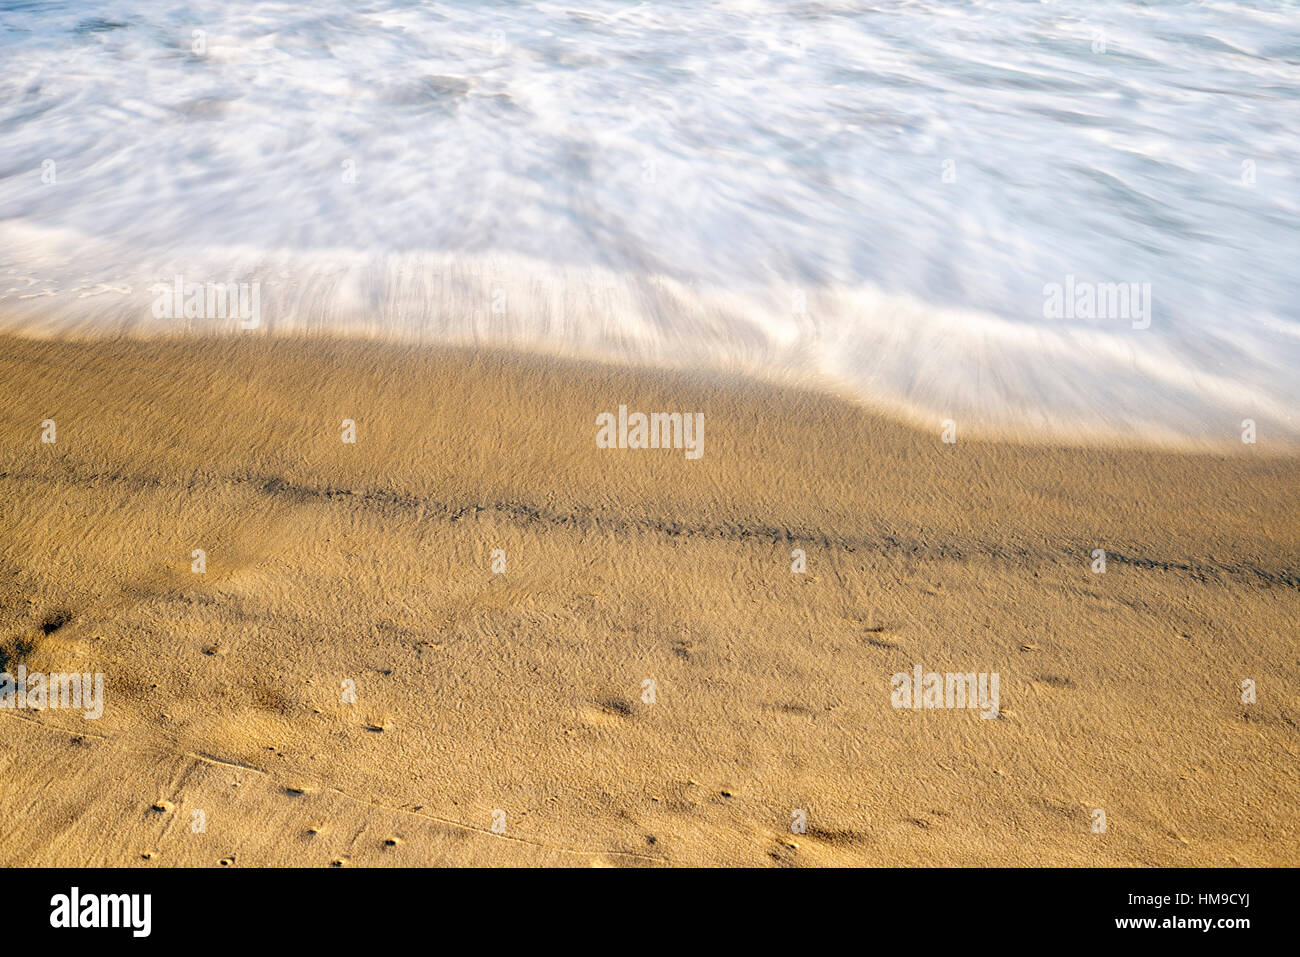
(587, 519)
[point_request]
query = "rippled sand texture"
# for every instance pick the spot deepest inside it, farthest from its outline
(523, 692)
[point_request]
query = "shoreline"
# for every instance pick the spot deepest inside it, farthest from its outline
(523, 690)
(1037, 429)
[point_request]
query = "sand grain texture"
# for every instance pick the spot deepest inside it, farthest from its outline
(522, 692)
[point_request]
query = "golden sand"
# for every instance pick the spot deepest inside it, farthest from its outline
(505, 718)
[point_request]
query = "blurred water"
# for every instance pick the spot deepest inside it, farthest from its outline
(872, 193)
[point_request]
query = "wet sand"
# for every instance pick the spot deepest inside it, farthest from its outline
(230, 734)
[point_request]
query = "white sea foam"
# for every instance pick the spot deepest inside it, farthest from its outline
(754, 185)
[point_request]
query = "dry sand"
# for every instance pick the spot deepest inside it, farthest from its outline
(523, 692)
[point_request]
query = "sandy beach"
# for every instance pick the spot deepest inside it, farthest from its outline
(472, 636)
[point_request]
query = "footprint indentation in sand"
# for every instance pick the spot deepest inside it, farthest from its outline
(1054, 681)
(788, 708)
(839, 837)
(928, 821)
(20, 648)
(14, 652)
(54, 621)
(606, 713)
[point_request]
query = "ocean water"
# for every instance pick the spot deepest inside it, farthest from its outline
(879, 196)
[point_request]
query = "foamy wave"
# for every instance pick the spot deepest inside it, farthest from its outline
(1061, 382)
(869, 192)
